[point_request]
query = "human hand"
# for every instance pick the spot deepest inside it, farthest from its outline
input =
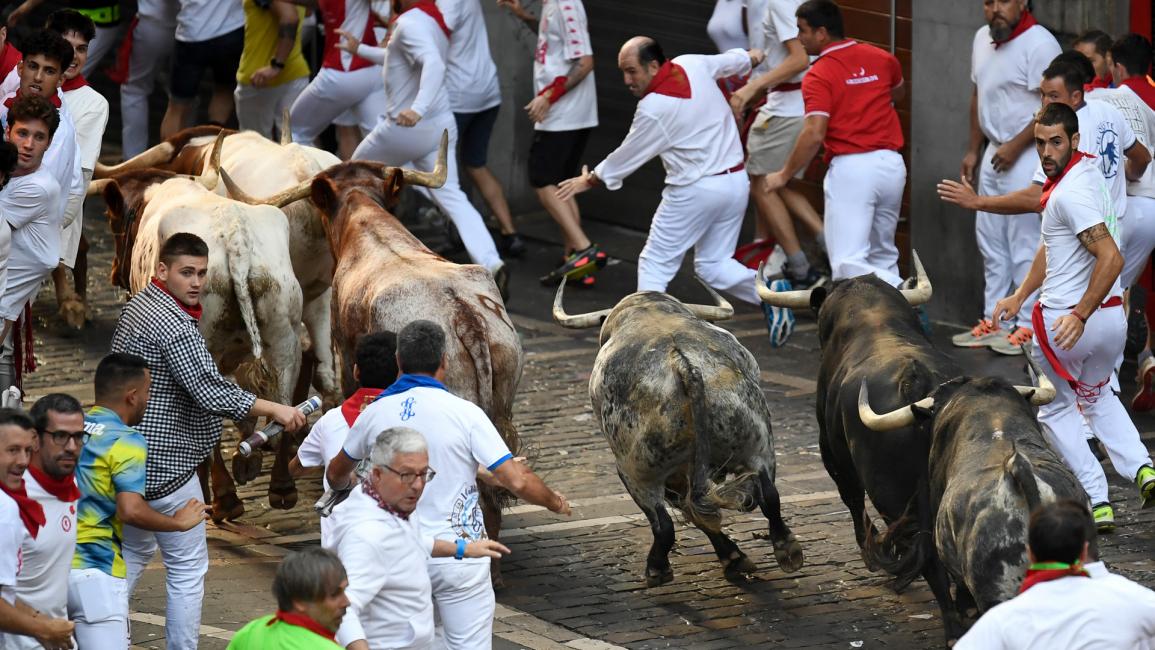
(967, 170)
(740, 99)
(562, 507)
(959, 193)
(408, 117)
(1005, 157)
(774, 182)
(570, 188)
(537, 109)
(348, 42)
(55, 633)
(288, 417)
(1007, 308)
(486, 548)
(193, 513)
(1068, 329)
(757, 56)
(263, 76)
(514, 6)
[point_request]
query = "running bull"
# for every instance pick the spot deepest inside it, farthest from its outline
(680, 404)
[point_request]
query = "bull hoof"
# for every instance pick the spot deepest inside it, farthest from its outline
(789, 555)
(73, 311)
(739, 563)
(246, 469)
(283, 497)
(658, 577)
(227, 507)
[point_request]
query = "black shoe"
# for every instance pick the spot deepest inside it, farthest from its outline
(512, 245)
(812, 280)
(501, 279)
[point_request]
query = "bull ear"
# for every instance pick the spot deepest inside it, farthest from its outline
(393, 186)
(817, 297)
(324, 195)
(114, 199)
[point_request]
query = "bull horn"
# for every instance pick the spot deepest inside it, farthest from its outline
(210, 178)
(96, 187)
(286, 134)
(160, 154)
(896, 419)
(720, 310)
(278, 200)
(1042, 394)
(791, 299)
(579, 321)
(922, 290)
(433, 179)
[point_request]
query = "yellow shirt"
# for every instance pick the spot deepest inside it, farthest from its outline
(261, 27)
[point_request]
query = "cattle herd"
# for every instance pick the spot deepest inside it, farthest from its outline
(306, 257)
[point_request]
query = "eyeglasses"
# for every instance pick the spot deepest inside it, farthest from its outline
(408, 477)
(62, 437)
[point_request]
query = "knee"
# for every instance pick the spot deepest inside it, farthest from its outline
(709, 270)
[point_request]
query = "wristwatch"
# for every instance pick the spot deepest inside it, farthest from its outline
(280, 65)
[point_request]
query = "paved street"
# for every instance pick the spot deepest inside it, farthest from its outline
(577, 582)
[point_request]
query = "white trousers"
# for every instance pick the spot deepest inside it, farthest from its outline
(863, 197)
(105, 41)
(1007, 242)
(464, 604)
(706, 216)
(416, 147)
(98, 605)
(330, 94)
(186, 560)
(260, 109)
(1138, 232)
(1091, 362)
(152, 43)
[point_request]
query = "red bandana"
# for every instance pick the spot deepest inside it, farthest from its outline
(429, 7)
(1047, 571)
(367, 488)
(1049, 186)
(1143, 86)
(1026, 22)
(31, 512)
(195, 312)
(72, 84)
(356, 403)
(671, 80)
(1097, 82)
(62, 488)
(54, 98)
(301, 620)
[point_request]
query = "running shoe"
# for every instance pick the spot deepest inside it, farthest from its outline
(577, 265)
(1011, 344)
(1146, 482)
(779, 320)
(813, 280)
(1144, 399)
(1104, 517)
(980, 336)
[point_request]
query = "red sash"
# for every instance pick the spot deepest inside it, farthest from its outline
(1026, 22)
(1086, 391)
(118, 73)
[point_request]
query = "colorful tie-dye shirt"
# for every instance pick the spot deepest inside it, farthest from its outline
(112, 461)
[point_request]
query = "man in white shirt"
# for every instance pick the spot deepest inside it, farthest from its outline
(1060, 606)
(49, 480)
(385, 552)
(375, 370)
(210, 36)
(683, 118)
(460, 438)
(564, 112)
(417, 113)
(1078, 320)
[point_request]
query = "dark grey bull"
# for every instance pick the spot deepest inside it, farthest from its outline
(680, 404)
(990, 467)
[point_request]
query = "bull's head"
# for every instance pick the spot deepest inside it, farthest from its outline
(720, 310)
(173, 154)
(921, 293)
(907, 415)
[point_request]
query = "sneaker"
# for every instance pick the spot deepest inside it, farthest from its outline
(511, 245)
(577, 265)
(1146, 482)
(1010, 344)
(501, 279)
(1144, 399)
(980, 335)
(813, 280)
(1104, 517)
(779, 320)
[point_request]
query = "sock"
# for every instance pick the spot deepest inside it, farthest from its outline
(797, 266)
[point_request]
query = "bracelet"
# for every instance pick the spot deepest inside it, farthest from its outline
(1079, 316)
(280, 65)
(460, 554)
(554, 91)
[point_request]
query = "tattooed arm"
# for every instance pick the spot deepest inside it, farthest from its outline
(1108, 263)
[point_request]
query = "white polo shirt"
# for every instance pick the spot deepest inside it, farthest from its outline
(780, 26)
(1141, 119)
(11, 538)
(1080, 201)
(63, 156)
(415, 66)
(563, 37)
(473, 84)
(203, 20)
(1007, 79)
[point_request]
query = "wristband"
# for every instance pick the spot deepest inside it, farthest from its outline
(1079, 316)
(594, 180)
(280, 65)
(460, 554)
(554, 91)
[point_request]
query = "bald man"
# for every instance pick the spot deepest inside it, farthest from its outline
(683, 118)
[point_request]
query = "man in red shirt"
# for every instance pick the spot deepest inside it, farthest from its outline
(849, 94)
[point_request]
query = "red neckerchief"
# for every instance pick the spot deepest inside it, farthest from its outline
(9, 57)
(367, 488)
(671, 80)
(72, 84)
(1051, 183)
(429, 7)
(1143, 86)
(62, 488)
(1097, 82)
(195, 312)
(54, 98)
(1047, 571)
(357, 402)
(31, 512)
(1026, 22)
(301, 620)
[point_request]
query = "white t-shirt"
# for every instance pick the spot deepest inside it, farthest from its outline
(415, 68)
(63, 156)
(1141, 119)
(695, 137)
(89, 111)
(11, 537)
(459, 436)
(203, 20)
(1079, 201)
(1007, 79)
(5, 252)
(30, 205)
(725, 26)
(755, 35)
(317, 449)
(1073, 613)
(563, 37)
(473, 85)
(43, 581)
(1105, 134)
(780, 26)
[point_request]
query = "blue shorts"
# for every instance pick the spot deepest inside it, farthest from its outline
(473, 131)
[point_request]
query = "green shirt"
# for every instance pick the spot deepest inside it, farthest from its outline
(259, 635)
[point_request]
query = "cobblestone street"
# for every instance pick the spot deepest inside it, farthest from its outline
(577, 582)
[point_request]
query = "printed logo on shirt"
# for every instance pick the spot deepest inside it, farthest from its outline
(466, 518)
(861, 77)
(94, 428)
(1108, 150)
(407, 409)
(65, 523)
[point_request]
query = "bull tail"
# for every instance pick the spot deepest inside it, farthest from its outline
(1019, 469)
(907, 545)
(239, 251)
(701, 505)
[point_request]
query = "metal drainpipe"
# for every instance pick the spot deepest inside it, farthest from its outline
(893, 21)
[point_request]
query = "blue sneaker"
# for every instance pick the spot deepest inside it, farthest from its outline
(779, 320)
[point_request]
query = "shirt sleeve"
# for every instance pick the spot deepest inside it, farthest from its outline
(23, 203)
(781, 22)
(363, 552)
(191, 365)
(727, 64)
(309, 453)
(90, 125)
(576, 36)
(371, 53)
(895, 68)
(126, 462)
(420, 48)
(11, 536)
(817, 94)
(647, 138)
(1037, 60)
(357, 441)
(488, 449)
